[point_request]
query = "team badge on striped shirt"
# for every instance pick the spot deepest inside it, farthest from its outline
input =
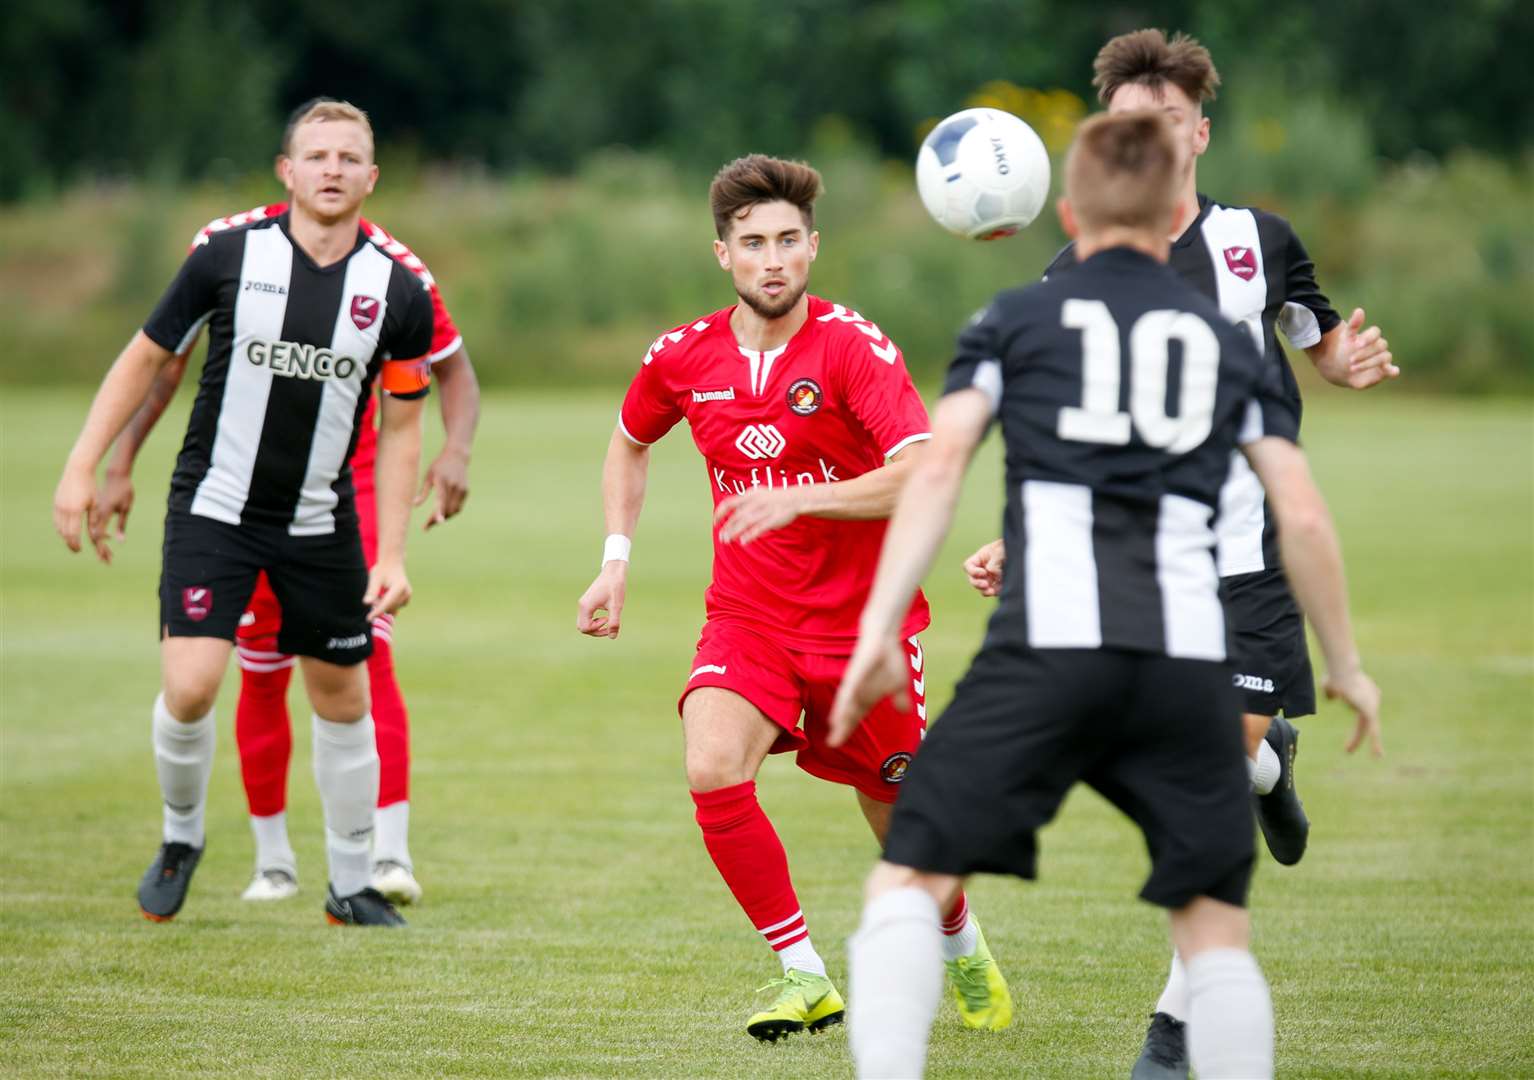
(364, 311)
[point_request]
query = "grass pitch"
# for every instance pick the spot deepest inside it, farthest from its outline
(573, 925)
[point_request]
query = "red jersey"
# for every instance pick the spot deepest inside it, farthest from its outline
(445, 339)
(831, 404)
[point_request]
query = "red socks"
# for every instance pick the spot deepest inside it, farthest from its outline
(750, 858)
(261, 726)
(954, 921)
(390, 720)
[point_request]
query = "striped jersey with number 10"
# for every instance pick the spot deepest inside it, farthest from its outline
(1251, 264)
(1122, 393)
(293, 352)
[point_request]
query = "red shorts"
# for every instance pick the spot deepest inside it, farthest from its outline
(785, 684)
(263, 615)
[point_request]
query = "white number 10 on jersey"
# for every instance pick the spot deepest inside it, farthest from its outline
(1098, 419)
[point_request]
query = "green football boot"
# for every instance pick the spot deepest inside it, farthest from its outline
(804, 1002)
(979, 989)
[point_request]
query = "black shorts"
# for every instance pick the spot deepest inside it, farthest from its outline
(1159, 738)
(1268, 649)
(209, 572)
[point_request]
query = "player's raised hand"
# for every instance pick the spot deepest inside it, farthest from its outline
(743, 518)
(448, 475)
(985, 566)
(76, 503)
(878, 668)
(1358, 692)
(1363, 356)
(600, 611)
(388, 589)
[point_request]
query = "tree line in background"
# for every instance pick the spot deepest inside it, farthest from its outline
(197, 89)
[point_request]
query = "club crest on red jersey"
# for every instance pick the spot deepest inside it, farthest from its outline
(197, 602)
(894, 767)
(1242, 261)
(364, 311)
(805, 396)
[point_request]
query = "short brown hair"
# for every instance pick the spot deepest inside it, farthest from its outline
(323, 108)
(1124, 169)
(1146, 57)
(757, 178)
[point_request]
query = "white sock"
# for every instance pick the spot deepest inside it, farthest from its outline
(1174, 998)
(183, 759)
(346, 772)
(963, 943)
(273, 851)
(896, 972)
(801, 956)
(1230, 1025)
(1264, 769)
(391, 841)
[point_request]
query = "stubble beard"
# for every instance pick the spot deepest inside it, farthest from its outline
(769, 308)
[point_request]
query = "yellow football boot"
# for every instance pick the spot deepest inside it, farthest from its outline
(804, 1001)
(979, 990)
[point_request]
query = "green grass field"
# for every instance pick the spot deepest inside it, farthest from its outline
(573, 924)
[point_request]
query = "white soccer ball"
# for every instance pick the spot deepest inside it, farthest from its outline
(983, 173)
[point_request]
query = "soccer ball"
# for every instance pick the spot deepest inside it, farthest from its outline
(982, 173)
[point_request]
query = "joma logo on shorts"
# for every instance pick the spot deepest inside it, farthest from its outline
(298, 360)
(1254, 682)
(356, 641)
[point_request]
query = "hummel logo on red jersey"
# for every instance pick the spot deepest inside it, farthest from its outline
(727, 394)
(1242, 262)
(760, 441)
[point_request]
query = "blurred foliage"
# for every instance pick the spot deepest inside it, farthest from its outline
(197, 89)
(568, 278)
(551, 161)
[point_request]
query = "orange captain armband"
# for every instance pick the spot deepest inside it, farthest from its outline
(406, 378)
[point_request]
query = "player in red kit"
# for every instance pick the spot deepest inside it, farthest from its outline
(808, 422)
(263, 730)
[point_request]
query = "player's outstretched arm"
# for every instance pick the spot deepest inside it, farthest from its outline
(76, 500)
(625, 472)
(116, 498)
(399, 459)
(448, 474)
(985, 566)
(1312, 560)
(1347, 355)
(922, 519)
(870, 497)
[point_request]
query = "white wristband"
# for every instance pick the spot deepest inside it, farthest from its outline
(617, 547)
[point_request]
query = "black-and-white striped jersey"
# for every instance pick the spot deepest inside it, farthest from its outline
(1121, 393)
(293, 350)
(1254, 267)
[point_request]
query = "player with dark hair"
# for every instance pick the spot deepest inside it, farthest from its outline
(809, 423)
(262, 728)
(304, 315)
(1105, 659)
(1250, 263)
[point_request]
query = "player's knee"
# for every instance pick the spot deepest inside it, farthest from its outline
(709, 771)
(1206, 923)
(341, 704)
(188, 697)
(887, 877)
